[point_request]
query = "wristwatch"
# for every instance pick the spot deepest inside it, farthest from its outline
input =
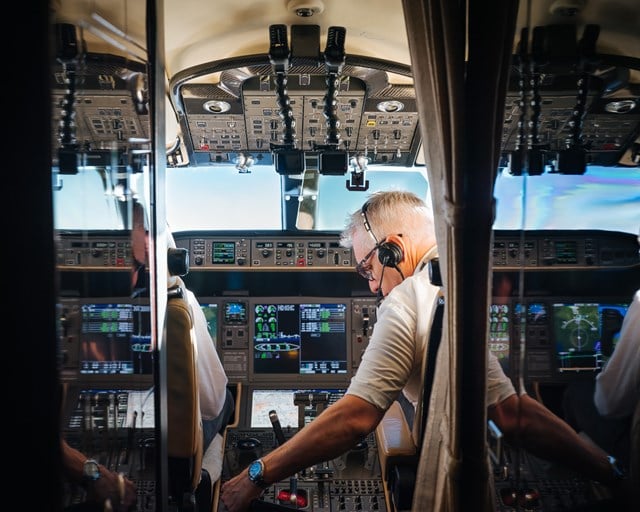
(91, 470)
(256, 473)
(618, 474)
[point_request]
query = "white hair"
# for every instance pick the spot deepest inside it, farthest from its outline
(391, 212)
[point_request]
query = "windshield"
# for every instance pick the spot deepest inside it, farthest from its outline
(220, 198)
(606, 198)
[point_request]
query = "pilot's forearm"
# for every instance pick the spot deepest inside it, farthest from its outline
(332, 433)
(72, 462)
(335, 431)
(542, 433)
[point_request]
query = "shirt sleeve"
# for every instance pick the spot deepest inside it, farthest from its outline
(388, 360)
(499, 385)
(618, 386)
(212, 379)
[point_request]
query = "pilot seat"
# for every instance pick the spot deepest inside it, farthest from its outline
(191, 472)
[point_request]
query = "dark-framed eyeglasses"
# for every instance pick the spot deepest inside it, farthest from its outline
(362, 268)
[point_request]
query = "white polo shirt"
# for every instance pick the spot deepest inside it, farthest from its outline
(392, 361)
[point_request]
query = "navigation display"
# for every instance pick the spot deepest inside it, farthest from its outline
(585, 333)
(210, 311)
(287, 404)
(306, 338)
(279, 400)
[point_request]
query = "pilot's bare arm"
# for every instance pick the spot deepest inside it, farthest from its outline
(527, 423)
(332, 433)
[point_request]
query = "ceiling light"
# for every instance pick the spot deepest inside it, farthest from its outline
(620, 107)
(305, 8)
(217, 106)
(390, 106)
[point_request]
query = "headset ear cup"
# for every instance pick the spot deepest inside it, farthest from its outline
(390, 254)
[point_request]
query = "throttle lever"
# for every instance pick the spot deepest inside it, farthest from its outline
(277, 428)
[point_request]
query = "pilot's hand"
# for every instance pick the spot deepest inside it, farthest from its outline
(114, 489)
(238, 493)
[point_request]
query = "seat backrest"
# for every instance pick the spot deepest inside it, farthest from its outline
(399, 444)
(184, 424)
(431, 353)
(184, 434)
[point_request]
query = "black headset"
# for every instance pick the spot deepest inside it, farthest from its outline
(389, 253)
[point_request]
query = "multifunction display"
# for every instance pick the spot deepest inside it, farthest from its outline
(115, 339)
(306, 338)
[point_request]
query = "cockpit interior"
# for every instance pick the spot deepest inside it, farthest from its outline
(248, 132)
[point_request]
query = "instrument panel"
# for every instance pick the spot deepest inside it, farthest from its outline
(265, 326)
(221, 266)
(383, 125)
(550, 250)
(564, 338)
(266, 252)
(213, 251)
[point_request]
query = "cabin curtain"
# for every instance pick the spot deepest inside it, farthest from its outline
(460, 55)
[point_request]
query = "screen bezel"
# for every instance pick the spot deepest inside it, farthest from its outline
(292, 380)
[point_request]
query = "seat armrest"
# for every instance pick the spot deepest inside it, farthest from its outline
(394, 439)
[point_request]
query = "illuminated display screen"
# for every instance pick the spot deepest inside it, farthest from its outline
(280, 400)
(235, 312)
(536, 313)
(499, 333)
(585, 333)
(297, 339)
(210, 311)
(223, 253)
(566, 252)
(115, 339)
(283, 401)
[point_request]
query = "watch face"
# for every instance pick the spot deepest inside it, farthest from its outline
(91, 470)
(255, 471)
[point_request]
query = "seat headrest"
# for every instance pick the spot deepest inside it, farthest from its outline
(177, 265)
